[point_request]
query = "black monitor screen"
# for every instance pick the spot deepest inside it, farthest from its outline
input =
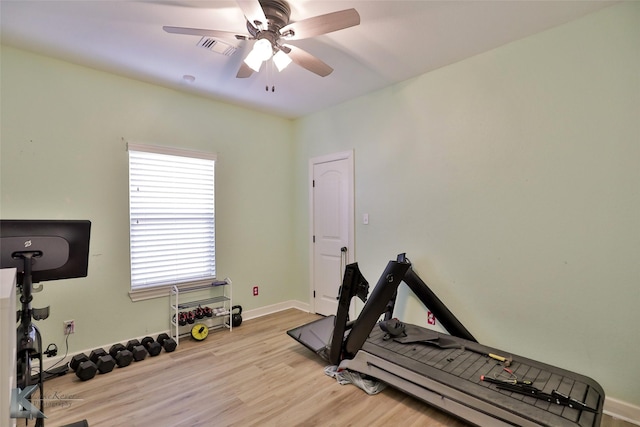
(60, 248)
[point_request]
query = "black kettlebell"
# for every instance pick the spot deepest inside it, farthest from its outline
(236, 318)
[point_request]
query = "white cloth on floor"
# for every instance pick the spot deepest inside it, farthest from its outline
(370, 386)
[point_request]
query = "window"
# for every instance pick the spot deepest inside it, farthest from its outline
(172, 219)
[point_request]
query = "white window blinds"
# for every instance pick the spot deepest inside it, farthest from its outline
(172, 216)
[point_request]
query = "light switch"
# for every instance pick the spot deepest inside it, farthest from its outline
(365, 218)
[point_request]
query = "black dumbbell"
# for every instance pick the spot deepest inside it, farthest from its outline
(115, 349)
(137, 349)
(199, 312)
(103, 361)
(190, 317)
(85, 368)
(95, 354)
(182, 319)
(168, 343)
(82, 423)
(121, 355)
(77, 360)
(154, 348)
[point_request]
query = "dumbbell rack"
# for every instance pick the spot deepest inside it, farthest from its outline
(219, 297)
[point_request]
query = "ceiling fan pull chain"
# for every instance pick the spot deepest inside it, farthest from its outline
(267, 72)
(270, 76)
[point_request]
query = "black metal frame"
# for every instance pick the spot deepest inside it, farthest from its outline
(28, 336)
(382, 301)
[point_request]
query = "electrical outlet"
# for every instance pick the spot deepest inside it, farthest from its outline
(255, 291)
(69, 326)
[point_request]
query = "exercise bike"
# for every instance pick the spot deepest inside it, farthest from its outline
(29, 340)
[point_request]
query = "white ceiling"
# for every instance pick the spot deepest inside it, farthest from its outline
(395, 41)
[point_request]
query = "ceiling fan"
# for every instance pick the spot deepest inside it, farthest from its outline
(268, 24)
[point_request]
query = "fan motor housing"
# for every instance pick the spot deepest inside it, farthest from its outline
(277, 13)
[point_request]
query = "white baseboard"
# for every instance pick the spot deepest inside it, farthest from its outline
(613, 407)
(270, 309)
(622, 410)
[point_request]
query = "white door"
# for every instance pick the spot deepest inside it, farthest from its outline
(332, 223)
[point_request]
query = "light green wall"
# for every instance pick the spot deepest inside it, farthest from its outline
(512, 181)
(63, 157)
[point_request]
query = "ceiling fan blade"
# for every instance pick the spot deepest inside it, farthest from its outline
(308, 61)
(321, 24)
(244, 71)
(204, 33)
(252, 10)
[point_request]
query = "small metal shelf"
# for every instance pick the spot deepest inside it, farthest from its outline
(221, 299)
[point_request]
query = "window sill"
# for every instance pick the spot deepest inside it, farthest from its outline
(165, 290)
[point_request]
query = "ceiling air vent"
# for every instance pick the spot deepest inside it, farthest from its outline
(217, 46)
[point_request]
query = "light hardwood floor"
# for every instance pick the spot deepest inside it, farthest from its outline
(255, 375)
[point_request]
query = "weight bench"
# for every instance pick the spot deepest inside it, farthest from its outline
(482, 385)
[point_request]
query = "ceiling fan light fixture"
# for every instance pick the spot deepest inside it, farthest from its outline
(281, 60)
(254, 61)
(262, 51)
